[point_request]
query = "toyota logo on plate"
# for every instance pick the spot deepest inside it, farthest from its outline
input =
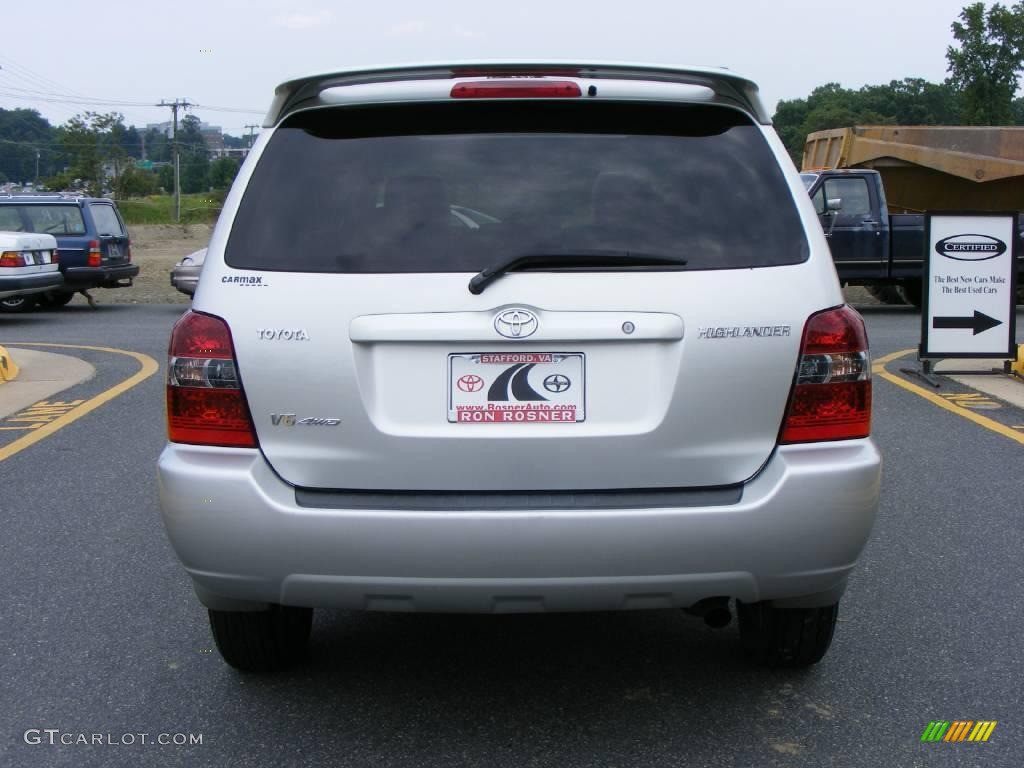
(470, 383)
(516, 323)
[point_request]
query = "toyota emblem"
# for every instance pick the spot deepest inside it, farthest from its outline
(516, 323)
(470, 383)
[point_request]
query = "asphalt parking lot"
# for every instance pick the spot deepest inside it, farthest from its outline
(102, 634)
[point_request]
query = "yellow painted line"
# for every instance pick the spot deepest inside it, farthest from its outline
(148, 366)
(879, 370)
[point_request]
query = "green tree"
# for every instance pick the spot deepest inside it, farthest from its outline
(23, 133)
(158, 146)
(986, 61)
(165, 177)
(132, 142)
(222, 172)
(195, 160)
(900, 102)
(92, 140)
(135, 183)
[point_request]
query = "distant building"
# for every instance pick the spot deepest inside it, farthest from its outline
(237, 152)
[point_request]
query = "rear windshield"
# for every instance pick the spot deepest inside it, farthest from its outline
(56, 219)
(106, 220)
(457, 187)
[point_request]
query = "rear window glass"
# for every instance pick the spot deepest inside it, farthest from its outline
(457, 187)
(9, 219)
(106, 220)
(54, 219)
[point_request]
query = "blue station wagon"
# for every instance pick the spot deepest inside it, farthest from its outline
(93, 243)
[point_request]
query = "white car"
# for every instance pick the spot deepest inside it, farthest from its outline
(28, 264)
(507, 337)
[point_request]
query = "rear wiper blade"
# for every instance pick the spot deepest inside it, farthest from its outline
(574, 258)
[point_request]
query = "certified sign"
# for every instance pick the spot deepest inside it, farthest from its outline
(970, 289)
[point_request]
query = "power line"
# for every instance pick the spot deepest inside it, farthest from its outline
(20, 71)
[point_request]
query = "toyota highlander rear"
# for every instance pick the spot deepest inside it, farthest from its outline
(512, 338)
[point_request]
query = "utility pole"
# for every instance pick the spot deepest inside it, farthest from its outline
(251, 129)
(37, 166)
(175, 105)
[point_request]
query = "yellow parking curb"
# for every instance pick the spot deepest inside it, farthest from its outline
(8, 368)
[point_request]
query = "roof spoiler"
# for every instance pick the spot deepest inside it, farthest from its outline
(729, 88)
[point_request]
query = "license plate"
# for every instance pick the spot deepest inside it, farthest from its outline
(114, 251)
(516, 388)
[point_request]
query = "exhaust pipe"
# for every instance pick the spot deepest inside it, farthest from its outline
(718, 617)
(714, 610)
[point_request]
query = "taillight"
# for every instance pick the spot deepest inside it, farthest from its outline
(516, 89)
(54, 257)
(95, 255)
(12, 259)
(205, 401)
(127, 250)
(831, 398)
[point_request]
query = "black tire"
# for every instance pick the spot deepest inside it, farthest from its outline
(911, 291)
(887, 294)
(55, 299)
(262, 641)
(18, 304)
(786, 637)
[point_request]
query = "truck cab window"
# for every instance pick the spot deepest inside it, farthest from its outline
(852, 191)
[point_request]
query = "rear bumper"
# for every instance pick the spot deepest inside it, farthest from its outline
(17, 285)
(795, 535)
(116, 276)
(185, 281)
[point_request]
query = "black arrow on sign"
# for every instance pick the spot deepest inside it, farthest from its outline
(979, 323)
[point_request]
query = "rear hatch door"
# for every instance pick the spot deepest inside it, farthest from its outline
(112, 234)
(368, 363)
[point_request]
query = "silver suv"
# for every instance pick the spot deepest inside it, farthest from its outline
(509, 337)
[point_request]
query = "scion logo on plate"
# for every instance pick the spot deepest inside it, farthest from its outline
(516, 323)
(556, 382)
(970, 247)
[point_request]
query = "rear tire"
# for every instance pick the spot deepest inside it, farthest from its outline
(887, 294)
(262, 641)
(786, 637)
(55, 299)
(18, 304)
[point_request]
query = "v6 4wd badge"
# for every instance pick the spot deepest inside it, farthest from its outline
(289, 420)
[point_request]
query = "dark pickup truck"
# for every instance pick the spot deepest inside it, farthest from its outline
(94, 248)
(869, 246)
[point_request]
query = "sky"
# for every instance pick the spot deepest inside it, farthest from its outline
(232, 53)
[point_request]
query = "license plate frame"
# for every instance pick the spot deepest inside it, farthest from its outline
(473, 377)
